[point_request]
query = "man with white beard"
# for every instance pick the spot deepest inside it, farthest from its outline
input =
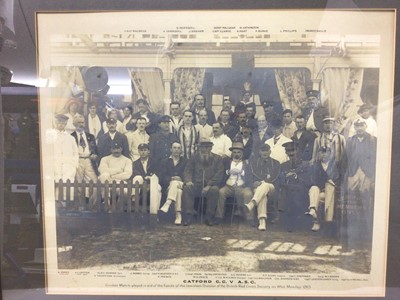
(202, 177)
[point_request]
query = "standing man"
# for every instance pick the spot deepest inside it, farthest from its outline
(127, 112)
(93, 121)
(314, 112)
(364, 113)
(229, 126)
(202, 177)
(188, 134)
(303, 140)
(66, 154)
(265, 172)
(204, 129)
(160, 141)
(88, 159)
(137, 137)
(72, 110)
(262, 134)
(221, 143)
(227, 106)
(106, 140)
(144, 112)
(200, 104)
(361, 154)
(176, 118)
(289, 126)
(276, 142)
(171, 179)
(246, 138)
(238, 179)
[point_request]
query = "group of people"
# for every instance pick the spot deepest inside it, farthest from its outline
(294, 164)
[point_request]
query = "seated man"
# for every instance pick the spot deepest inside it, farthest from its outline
(115, 167)
(265, 171)
(238, 185)
(325, 177)
(202, 176)
(144, 169)
(171, 174)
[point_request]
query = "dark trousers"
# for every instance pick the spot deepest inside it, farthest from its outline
(210, 198)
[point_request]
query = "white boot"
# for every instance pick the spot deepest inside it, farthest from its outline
(178, 218)
(263, 225)
(316, 226)
(165, 207)
(250, 205)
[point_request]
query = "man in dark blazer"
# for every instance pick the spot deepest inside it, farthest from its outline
(200, 104)
(303, 140)
(314, 112)
(110, 138)
(171, 179)
(144, 112)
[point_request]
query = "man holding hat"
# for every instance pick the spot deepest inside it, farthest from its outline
(314, 112)
(106, 140)
(238, 180)
(364, 113)
(160, 142)
(265, 172)
(202, 177)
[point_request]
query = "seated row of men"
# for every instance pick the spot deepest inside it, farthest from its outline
(214, 170)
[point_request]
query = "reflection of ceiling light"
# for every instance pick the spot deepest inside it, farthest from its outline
(120, 90)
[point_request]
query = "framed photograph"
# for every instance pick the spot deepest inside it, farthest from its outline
(108, 232)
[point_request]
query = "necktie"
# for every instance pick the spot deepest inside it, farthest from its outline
(82, 142)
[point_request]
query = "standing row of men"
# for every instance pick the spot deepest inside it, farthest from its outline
(242, 156)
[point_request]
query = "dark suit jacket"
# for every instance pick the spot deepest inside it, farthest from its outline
(257, 141)
(248, 148)
(210, 116)
(304, 145)
(168, 170)
(320, 176)
(92, 148)
(105, 142)
(361, 154)
(138, 169)
(213, 171)
(267, 171)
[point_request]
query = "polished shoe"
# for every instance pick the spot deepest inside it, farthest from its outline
(165, 207)
(250, 206)
(262, 225)
(178, 218)
(316, 227)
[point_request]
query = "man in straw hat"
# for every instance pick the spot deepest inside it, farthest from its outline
(202, 177)
(237, 181)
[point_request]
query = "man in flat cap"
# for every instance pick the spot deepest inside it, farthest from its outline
(295, 181)
(144, 169)
(202, 177)
(359, 203)
(264, 172)
(237, 179)
(364, 113)
(66, 154)
(160, 142)
(314, 112)
(106, 140)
